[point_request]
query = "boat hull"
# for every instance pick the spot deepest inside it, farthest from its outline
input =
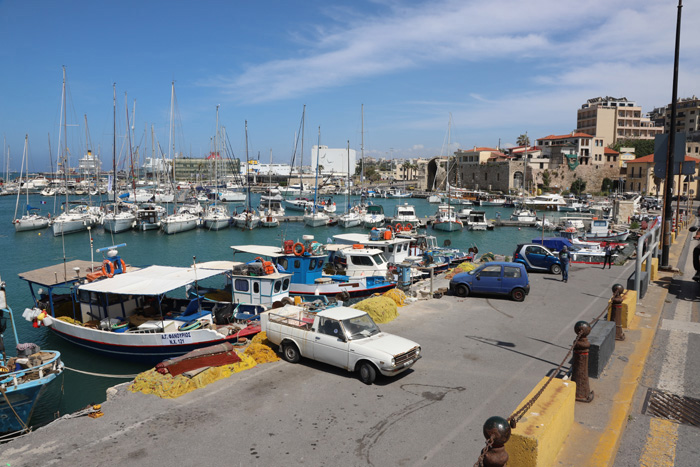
(355, 286)
(347, 223)
(216, 224)
(22, 403)
(118, 225)
(23, 225)
(178, 226)
(69, 227)
(448, 226)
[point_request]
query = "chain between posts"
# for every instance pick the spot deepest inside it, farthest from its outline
(484, 450)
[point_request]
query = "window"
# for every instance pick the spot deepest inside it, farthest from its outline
(379, 259)
(285, 285)
(256, 287)
(511, 272)
(361, 261)
(297, 264)
(320, 264)
(329, 327)
(282, 262)
(312, 264)
(241, 285)
(491, 271)
(278, 286)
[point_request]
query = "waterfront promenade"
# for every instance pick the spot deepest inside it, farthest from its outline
(481, 357)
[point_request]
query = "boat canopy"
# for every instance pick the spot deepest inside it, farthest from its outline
(157, 280)
(260, 250)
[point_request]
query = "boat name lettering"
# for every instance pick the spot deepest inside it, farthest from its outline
(176, 338)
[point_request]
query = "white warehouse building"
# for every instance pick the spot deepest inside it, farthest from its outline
(333, 160)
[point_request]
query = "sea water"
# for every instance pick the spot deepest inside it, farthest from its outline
(25, 251)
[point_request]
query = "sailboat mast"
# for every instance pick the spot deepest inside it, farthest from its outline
(65, 138)
(347, 181)
(301, 159)
(131, 153)
(362, 146)
(318, 162)
(247, 178)
(114, 142)
(21, 170)
(216, 157)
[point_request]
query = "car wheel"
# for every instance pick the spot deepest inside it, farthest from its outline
(290, 352)
(555, 269)
(367, 373)
(517, 294)
(462, 290)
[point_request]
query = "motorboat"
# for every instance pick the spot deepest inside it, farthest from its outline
(406, 214)
(545, 201)
(298, 204)
(149, 216)
(374, 216)
(477, 220)
(523, 215)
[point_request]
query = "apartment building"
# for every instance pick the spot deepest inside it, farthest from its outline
(612, 119)
(640, 178)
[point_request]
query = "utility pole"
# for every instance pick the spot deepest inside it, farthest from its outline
(668, 205)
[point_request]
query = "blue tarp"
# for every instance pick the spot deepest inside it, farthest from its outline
(125, 195)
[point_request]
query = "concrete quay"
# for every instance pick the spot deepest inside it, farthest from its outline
(482, 356)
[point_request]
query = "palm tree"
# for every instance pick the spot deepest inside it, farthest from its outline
(406, 166)
(523, 140)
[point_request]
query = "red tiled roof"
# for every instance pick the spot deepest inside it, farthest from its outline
(610, 151)
(649, 159)
(575, 135)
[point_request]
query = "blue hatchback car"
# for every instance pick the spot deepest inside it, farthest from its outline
(496, 277)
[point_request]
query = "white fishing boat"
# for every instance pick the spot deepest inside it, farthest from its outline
(406, 214)
(477, 220)
(523, 215)
(446, 219)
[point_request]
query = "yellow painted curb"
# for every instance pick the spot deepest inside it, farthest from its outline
(540, 434)
(629, 308)
(654, 274)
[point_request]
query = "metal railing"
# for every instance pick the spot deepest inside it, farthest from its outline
(647, 248)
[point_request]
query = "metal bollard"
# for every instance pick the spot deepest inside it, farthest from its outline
(497, 429)
(616, 310)
(579, 368)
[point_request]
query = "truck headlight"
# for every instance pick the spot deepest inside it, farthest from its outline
(393, 362)
(418, 351)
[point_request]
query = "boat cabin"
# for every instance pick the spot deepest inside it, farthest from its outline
(395, 249)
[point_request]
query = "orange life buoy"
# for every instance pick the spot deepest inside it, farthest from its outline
(399, 227)
(297, 251)
(123, 265)
(389, 227)
(107, 268)
(408, 227)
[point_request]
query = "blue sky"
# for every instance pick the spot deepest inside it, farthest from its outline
(501, 68)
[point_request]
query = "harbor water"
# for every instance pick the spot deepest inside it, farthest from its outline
(30, 250)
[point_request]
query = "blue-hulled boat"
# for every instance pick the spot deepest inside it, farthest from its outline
(23, 378)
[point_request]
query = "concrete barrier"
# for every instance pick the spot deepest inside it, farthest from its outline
(654, 274)
(540, 434)
(629, 308)
(602, 339)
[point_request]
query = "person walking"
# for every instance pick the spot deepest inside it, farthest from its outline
(608, 256)
(564, 258)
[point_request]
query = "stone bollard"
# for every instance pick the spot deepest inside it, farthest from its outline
(616, 311)
(497, 429)
(579, 368)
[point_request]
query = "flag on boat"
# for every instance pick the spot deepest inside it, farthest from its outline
(109, 183)
(43, 202)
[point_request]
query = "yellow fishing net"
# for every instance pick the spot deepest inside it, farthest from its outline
(171, 387)
(462, 267)
(70, 320)
(487, 257)
(381, 309)
(396, 295)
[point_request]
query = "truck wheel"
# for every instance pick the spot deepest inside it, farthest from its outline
(367, 373)
(517, 294)
(462, 290)
(290, 352)
(555, 269)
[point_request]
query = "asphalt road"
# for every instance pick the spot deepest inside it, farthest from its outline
(481, 357)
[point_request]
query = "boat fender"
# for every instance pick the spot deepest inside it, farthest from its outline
(298, 249)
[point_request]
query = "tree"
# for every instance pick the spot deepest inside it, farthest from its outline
(546, 179)
(523, 140)
(607, 185)
(642, 147)
(578, 186)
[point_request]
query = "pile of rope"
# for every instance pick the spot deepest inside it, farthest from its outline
(487, 257)
(382, 309)
(461, 267)
(396, 295)
(170, 387)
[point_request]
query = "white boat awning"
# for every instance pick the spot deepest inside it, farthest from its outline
(260, 250)
(155, 280)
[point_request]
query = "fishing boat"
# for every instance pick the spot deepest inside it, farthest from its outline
(316, 273)
(592, 253)
(523, 215)
(374, 216)
(154, 313)
(406, 214)
(31, 220)
(602, 231)
(24, 377)
(446, 219)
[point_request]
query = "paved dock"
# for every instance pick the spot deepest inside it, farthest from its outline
(481, 357)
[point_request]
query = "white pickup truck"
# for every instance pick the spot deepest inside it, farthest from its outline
(341, 336)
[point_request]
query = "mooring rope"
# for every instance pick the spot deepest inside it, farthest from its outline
(104, 375)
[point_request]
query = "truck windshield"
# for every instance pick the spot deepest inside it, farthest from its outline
(360, 327)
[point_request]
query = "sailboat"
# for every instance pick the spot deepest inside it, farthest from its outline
(217, 216)
(81, 216)
(315, 217)
(183, 219)
(352, 217)
(31, 220)
(446, 219)
(123, 215)
(268, 219)
(248, 219)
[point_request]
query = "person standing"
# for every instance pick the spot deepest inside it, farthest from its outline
(564, 259)
(608, 256)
